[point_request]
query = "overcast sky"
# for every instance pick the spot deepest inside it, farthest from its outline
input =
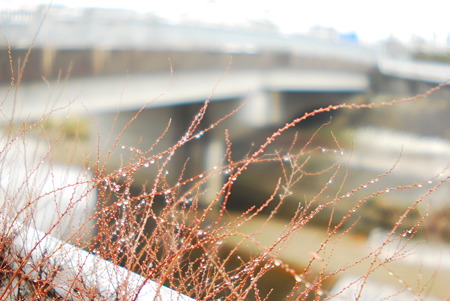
(371, 20)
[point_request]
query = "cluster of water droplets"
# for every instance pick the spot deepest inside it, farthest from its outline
(299, 278)
(287, 158)
(111, 185)
(199, 135)
(409, 288)
(330, 150)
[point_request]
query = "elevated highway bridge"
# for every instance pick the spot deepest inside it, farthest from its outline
(119, 61)
(102, 51)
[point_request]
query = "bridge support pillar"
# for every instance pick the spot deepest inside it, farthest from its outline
(262, 108)
(215, 150)
(48, 58)
(99, 59)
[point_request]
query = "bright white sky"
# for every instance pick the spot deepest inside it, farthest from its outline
(371, 20)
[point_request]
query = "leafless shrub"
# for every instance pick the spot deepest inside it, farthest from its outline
(166, 234)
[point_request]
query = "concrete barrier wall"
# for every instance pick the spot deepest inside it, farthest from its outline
(70, 271)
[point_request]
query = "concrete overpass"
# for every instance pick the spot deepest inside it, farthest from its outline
(100, 44)
(118, 62)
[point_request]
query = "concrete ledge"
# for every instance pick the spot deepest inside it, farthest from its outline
(71, 270)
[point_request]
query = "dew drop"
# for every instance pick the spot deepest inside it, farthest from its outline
(298, 278)
(277, 262)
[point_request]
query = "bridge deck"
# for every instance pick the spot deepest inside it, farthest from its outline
(433, 72)
(125, 93)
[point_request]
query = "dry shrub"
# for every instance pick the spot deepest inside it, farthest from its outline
(166, 233)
